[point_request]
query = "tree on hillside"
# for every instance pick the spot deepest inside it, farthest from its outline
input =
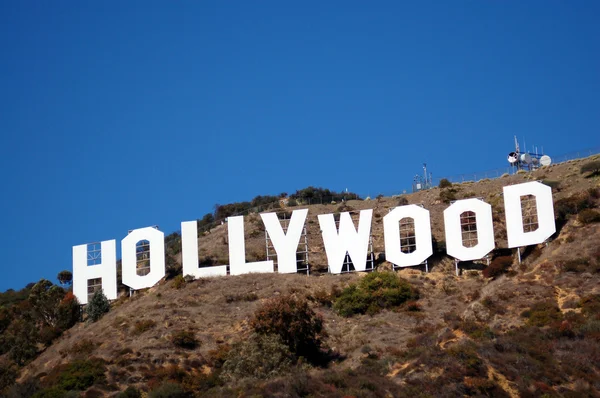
(45, 298)
(98, 306)
(65, 277)
(53, 310)
(22, 338)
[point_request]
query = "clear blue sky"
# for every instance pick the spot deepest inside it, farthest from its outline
(119, 115)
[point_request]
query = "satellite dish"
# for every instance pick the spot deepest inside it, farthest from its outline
(526, 158)
(513, 157)
(545, 160)
(535, 161)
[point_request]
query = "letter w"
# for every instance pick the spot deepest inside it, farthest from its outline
(347, 240)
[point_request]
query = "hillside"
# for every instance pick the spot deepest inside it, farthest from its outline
(529, 329)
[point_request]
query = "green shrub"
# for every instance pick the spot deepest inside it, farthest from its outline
(143, 326)
(588, 216)
(322, 297)
(542, 313)
(21, 341)
(294, 322)
(572, 205)
(168, 390)
(231, 298)
(185, 339)
(178, 282)
(402, 201)
(476, 331)
(260, 357)
(592, 167)
(77, 375)
(98, 306)
(590, 305)
(83, 347)
(444, 183)
(26, 388)
(48, 334)
(575, 265)
(8, 374)
(466, 355)
(374, 292)
(447, 195)
(130, 392)
(55, 392)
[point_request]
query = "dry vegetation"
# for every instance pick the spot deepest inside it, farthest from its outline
(529, 329)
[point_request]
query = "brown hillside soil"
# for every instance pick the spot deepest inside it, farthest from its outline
(467, 335)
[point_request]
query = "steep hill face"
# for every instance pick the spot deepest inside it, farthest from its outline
(527, 329)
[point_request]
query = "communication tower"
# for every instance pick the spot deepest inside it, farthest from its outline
(527, 160)
(423, 182)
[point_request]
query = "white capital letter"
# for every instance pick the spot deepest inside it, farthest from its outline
(483, 224)
(391, 231)
(237, 250)
(356, 244)
(107, 270)
(285, 244)
(514, 216)
(189, 253)
(157, 258)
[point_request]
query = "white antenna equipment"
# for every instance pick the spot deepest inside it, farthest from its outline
(545, 160)
(525, 158)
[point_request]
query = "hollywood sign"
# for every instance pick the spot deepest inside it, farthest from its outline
(337, 241)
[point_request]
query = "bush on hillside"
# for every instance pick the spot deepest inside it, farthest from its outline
(8, 374)
(590, 305)
(497, 267)
(592, 167)
(259, 357)
(169, 390)
(445, 183)
(588, 216)
(77, 375)
(542, 313)
(21, 340)
(130, 392)
(577, 265)
(185, 339)
(178, 282)
(447, 195)
(294, 322)
(98, 306)
(69, 311)
(572, 205)
(374, 292)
